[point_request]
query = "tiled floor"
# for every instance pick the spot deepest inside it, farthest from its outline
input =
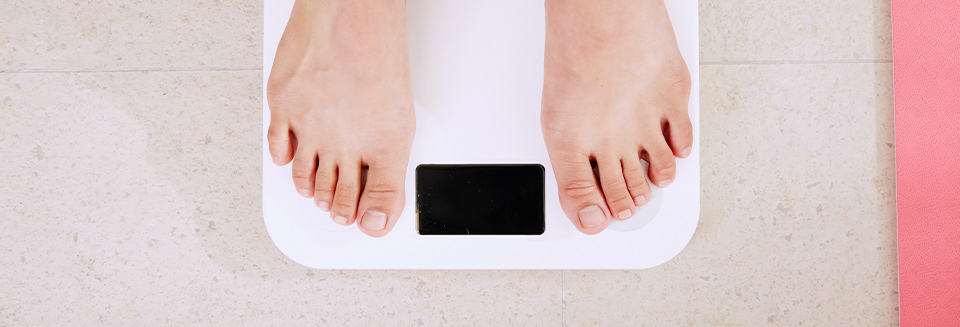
(130, 189)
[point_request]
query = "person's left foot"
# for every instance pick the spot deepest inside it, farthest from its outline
(615, 91)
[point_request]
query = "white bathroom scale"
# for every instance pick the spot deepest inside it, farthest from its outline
(477, 71)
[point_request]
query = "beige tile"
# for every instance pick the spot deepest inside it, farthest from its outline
(134, 199)
(115, 34)
(798, 220)
(794, 30)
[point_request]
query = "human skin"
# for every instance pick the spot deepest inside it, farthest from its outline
(341, 107)
(615, 92)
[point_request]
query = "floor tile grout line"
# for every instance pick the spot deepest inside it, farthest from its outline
(563, 304)
(251, 68)
(131, 70)
(796, 62)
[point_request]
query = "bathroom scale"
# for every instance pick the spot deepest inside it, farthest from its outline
(477, 73)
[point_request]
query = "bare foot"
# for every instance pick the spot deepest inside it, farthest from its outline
(341, 107)
(615, 92)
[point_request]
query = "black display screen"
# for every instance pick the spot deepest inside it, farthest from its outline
(480, 199)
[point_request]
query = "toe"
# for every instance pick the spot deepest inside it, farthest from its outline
(635, 174)
(344, 205)
(614, 187)
(279, 140)
(680, 133)
(579, 192)
(662, 163)
(304, 171)
(326, 181)
(382, 199)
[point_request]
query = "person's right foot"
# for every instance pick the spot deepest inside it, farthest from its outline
(341, 104)
(615, 91)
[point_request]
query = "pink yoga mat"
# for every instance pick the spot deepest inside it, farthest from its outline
(926, 46)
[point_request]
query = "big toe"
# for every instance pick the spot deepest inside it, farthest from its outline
(580, 195)
(382, 199)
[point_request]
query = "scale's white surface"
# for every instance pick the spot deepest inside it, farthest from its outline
(477, 69)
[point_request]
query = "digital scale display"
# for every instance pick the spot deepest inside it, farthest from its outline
(480, 199)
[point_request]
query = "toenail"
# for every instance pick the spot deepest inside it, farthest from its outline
(625, 214)
(373, 220)
(340, 220)
(665, 183)
(685, 152)
(276, 160)
(591, 216)
(305, 192)
(323, 205)
(640, 200)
